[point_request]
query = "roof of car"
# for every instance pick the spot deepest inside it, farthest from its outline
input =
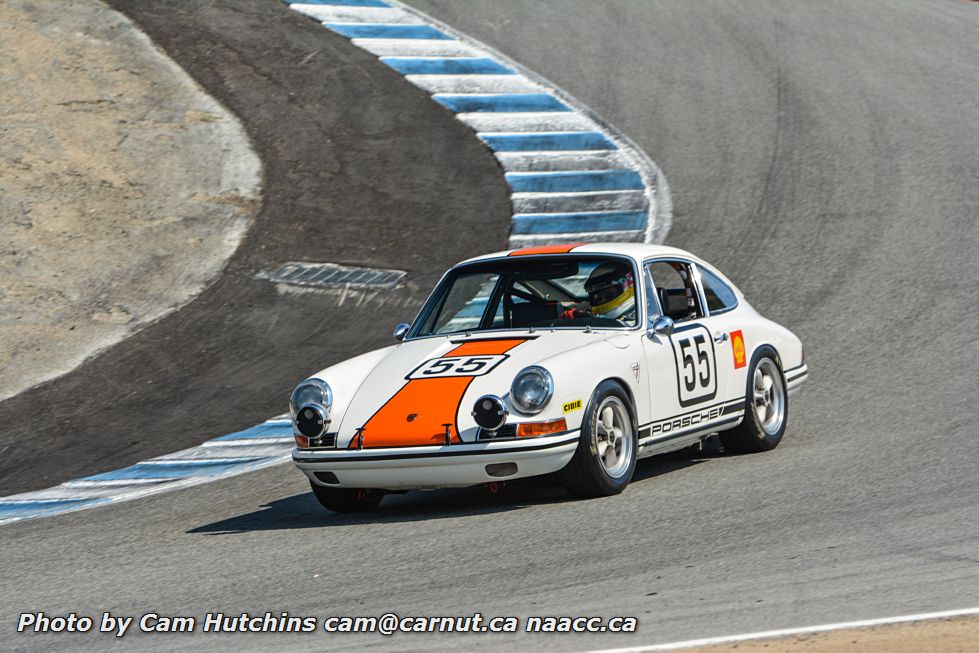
(637, 251)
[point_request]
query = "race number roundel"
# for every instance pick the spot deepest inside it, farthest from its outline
(737, 347)
(693, 349)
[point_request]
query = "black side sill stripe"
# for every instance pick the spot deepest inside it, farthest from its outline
(801, 368)
(730, 406)
(709, 427)
(438, 454)
(797, 377)
(736, 407)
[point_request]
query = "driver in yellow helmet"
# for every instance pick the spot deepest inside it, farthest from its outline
(611, 292)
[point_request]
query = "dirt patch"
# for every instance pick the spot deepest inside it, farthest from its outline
(124, 187)
(940, 636)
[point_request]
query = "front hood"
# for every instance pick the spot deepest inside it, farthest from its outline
(412, 399)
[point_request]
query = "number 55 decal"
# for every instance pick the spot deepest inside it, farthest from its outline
(696, 368)
(456, 366)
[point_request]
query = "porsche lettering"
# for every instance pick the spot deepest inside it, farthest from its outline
(678, 423)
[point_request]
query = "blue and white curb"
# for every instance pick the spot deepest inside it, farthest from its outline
(572, 176)
(269, 443)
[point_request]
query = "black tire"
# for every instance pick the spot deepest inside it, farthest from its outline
(586, 475)
(751, 436)
(341, 499)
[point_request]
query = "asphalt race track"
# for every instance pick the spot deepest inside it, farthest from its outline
(824, 155)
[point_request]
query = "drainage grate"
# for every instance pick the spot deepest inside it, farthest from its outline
(331, 275)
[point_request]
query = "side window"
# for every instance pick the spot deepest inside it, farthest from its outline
(675, 290)
(719, 295)
(652, 305)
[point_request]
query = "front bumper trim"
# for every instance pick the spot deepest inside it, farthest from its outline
(482, 448)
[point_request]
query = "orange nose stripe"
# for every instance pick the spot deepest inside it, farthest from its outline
(485, 348)
(435, 402)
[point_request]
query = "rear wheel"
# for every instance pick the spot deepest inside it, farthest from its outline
(766, 407)
(341, 499)
(605, 459)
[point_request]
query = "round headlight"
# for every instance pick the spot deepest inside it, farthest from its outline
(311, 392)
(531, 390)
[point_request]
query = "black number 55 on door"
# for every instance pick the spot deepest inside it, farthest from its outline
(696, 368)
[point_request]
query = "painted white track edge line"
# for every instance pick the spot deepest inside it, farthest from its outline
(432, 47)
(788, 632)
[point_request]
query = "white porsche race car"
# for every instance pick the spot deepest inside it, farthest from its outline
(574, 359)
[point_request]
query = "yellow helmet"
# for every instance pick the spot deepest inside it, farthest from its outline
(611, 290)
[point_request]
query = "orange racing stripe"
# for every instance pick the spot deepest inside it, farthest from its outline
(486, 347)
(433, 402)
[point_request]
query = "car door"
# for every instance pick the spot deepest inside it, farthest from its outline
(687, 386)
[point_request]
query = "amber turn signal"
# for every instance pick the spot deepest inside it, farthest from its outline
(301, 441)
(531, 429)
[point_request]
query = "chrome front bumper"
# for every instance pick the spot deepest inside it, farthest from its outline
(457, 465)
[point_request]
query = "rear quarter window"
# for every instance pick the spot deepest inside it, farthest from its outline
(720, 297)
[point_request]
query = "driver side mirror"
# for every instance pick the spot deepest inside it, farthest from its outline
(401, 331)
(661, 326)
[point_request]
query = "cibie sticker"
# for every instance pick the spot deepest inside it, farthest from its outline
(572, 405)
(737, 346)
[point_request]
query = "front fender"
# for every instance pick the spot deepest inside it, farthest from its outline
(346, 377)
(579, 371)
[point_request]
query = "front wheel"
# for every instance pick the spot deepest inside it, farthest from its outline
(605, 459)
(341, 499)
(766, 408)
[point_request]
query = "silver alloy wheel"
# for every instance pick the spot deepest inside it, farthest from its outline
(612, 432)
(768, 400)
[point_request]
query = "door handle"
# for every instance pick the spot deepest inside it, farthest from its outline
(720, 337)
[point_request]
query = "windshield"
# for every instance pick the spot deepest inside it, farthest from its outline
(513, 293)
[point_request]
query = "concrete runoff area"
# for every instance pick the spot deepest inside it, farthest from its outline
(124, 187)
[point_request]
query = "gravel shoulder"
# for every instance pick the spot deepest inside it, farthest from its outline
(124, 187)
(939, 636)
